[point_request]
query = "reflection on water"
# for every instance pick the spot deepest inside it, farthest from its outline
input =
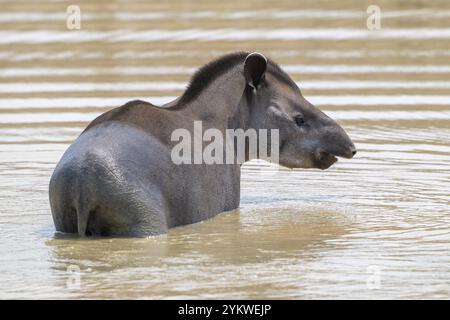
(298, 234)
(247, 248)
(220, 239)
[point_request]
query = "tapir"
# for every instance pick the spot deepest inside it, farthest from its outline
(118, 178)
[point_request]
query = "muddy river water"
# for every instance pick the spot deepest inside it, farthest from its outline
(376, 226)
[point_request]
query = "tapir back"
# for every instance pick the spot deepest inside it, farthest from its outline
(103, 175)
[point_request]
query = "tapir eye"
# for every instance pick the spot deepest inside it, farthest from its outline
(299, 120)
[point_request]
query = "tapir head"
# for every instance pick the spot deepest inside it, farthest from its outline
(308, 138)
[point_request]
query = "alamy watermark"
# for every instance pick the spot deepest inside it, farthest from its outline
(373, 21)
(234, 146)
(373, 281)
(73, 20)
(73, 281)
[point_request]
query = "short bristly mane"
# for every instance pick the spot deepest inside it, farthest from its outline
(212, 70)
(209, 72)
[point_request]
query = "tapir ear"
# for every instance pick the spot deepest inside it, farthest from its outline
(254, 69)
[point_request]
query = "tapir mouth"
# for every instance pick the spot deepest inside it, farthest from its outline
(324, 159)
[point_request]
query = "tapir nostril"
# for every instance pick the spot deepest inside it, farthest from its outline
(353, 152)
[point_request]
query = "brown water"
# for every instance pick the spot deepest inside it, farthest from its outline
(376, 226)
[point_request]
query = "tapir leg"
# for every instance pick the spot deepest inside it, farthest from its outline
(99, 205)
(129, 212)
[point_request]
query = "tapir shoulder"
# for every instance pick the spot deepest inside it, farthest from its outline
(137, 112)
